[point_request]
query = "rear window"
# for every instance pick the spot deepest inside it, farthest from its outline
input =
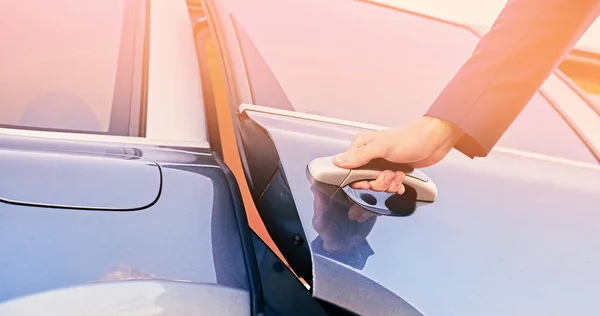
(68, 65)
(385, 69)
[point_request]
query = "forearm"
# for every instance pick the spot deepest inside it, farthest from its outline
(528, 40)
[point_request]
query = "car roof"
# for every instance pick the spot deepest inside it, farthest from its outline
(479, 13)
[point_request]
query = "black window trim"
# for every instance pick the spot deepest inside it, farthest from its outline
(131, 82)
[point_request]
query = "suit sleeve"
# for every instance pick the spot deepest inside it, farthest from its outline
(527, 42)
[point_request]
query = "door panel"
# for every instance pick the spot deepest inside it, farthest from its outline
(512, 226)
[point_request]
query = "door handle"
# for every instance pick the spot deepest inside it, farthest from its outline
(325, 171)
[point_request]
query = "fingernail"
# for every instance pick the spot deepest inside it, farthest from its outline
(401, 190)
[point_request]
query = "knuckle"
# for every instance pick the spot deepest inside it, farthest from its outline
(393, 187)
(364, 134)
(387, 177)
(359, 137)
(362, 152)
(383, 181)
(376, 185)
(382, 148)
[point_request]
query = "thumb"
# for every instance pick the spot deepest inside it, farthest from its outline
(356, 157)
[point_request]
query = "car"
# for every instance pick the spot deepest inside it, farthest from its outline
(191, 195)
(112, 199)
(513, 233)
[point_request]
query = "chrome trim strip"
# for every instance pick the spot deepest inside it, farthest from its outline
(103, 138)
(312, 117)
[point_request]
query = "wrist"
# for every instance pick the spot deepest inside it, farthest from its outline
(445, 131)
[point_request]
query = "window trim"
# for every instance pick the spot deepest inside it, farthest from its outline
(139, 91)
(131, 56)
(103, 138)
(568, 119)
(578, 90)
(132, 50)
(571, 123)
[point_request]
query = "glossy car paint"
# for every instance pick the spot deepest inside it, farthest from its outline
(139, 297)
(32, 180)
(172, 238)
(512, 234)
(188, 234)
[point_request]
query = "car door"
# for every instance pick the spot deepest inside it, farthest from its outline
(503, 227)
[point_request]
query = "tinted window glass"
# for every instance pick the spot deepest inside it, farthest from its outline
(584, 68)
(591, 85)
(541, 129)
(385, 69)
(60, 64)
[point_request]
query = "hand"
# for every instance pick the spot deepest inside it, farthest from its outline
(359, 214)
(420, 144)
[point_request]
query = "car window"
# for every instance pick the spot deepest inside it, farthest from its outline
(66, 64)
(541, 129)
(588, 81)
(584, 69)
(386, 70)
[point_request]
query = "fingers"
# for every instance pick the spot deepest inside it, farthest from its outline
(383, 181)
(396, 185)
(361, 185)
(364, 148)
(387, 181)
(401, 189)
(359, 156)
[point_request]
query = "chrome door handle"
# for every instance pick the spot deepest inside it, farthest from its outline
(324, 170)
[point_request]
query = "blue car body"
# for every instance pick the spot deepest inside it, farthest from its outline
(140, 214)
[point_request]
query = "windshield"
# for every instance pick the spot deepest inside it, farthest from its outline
(371, 64)
(66, 64)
